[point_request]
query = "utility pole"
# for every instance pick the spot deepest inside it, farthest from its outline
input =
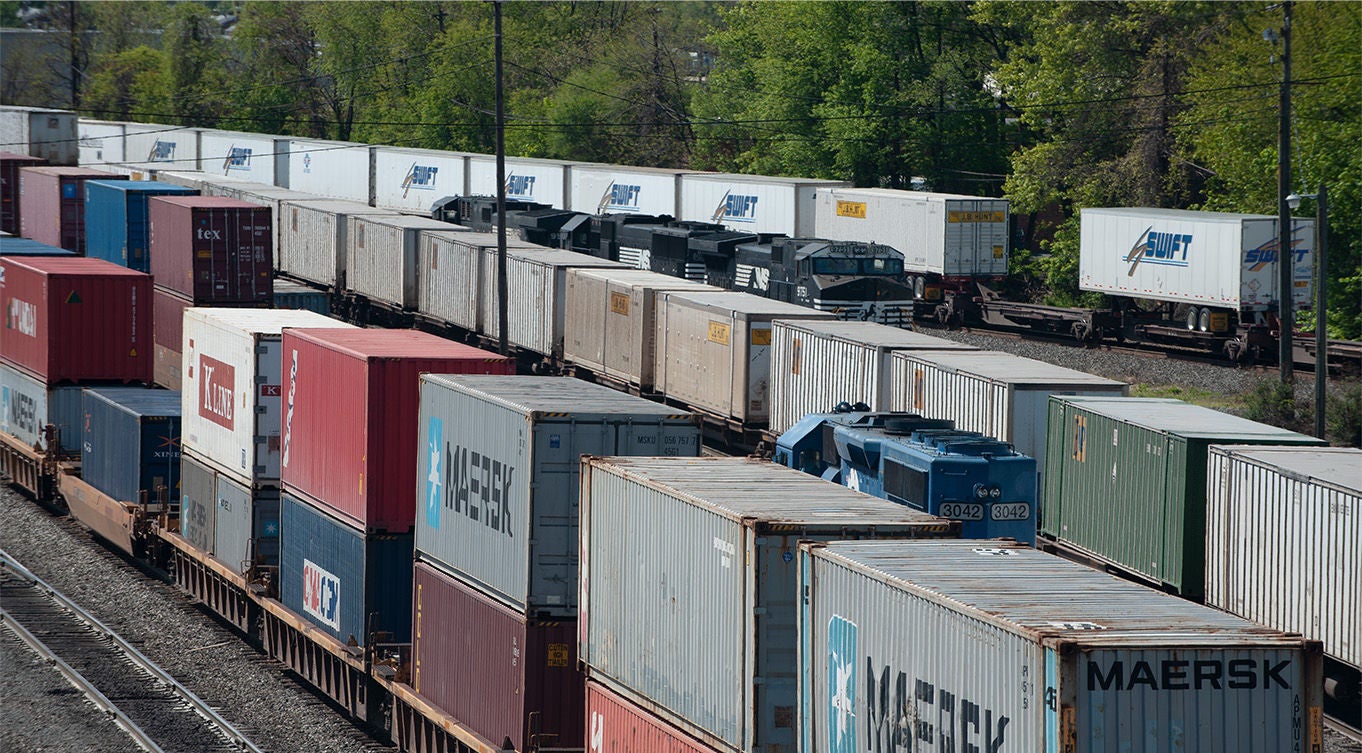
(502, 306)
(1321, 338)
(1286, 314)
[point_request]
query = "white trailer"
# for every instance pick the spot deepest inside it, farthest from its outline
(40, 132)
(752, 203)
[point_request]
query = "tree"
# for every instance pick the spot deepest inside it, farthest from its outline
(194, 65)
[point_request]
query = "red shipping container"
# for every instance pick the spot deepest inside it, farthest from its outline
(351, 402)
(167, 332)
(9, 188)
(615, 725)
(212, 249)
(491, 668)
(74, 319)
(52, 204)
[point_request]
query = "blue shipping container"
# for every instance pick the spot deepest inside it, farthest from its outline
(130, 443)
(291, 295)
(335, 576)
(116, 226)
(15, 246)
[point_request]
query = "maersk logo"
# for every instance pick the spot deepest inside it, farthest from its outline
(841, 685)
(420, 177)
(238, 158)
(736, 208)
(321, 595)
(520, 186)
(435, 442)
(162, 151)
(621, 197)
(1167, 249)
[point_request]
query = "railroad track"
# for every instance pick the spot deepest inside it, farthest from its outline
(157, 712)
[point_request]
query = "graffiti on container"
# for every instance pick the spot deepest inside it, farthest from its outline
(920, 716)
(478, 486)
(23, 317)
(217, 381)
(321, 594)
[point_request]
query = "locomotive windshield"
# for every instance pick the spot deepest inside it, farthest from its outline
(852, 266)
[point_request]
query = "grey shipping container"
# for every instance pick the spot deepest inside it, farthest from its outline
(312, 237)
(451, 278)
(381, 256)
(498, 480)
(688, 600)
(130, 448)
(198, 502)
(536, 278)
(942, 645)
(27, 407)
(246, 525)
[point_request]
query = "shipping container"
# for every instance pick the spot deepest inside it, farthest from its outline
(130, 447)
(540, 180)
(9, 188)
(116, 224)
(269, 197)
(1125, 482)
(298, 297)
(498, 672)
(41, 132)
(15, 246)
(817, 364)
(245, 525)
(498, 477)
(753, 203)
(412, 180)
(338, 169)
(207, 184)
(198, 502)
(611, 189)
(535, 281)
(351, 402)
(101, 142)
(714, 351)
(28, 407)
(167, 332)
(938, 233)
(312, 238)
(212, 249)
(1015, 649)
(149, 146)
(382, 256)
(452, 269)
(1205, 259)
(617, 726)
(256, 157)
(233, 381)
(340, 579)
(609, 322)
(52, 204)
(688, 600)
(75, 319)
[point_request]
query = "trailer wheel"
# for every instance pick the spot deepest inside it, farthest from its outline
(1203, 320)
(1192, 318)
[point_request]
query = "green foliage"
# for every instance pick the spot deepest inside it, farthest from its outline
(1272, 401)
(127, 82)
(193, 65)
(1343, 416)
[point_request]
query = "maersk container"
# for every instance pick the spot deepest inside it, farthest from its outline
(688, 599)
(130, 447)
(412, 180)
(993, 393)
(245, 525)
(9, 188)
(52, 204)
(15, 246)
(1208, 259)
(41, 132)
(540, 180)
(312, 238)
(340, 579)
(116, 225)
(714, 351)
(351, 400)
(149, 146)
(167, 332)
(101, 142)
(452, 268)
(975, 646)
(610, 189)
(535, 280)
(255, 157)
(498, 477)
(938, 233)
(198, 502)
(382, 256)
(610, 320)
(27, 407)
(1125, 482)
(339, 169)
(817, 364)
(212, 249)
(233, 383)
(298, 297)
(527, 678)
(618, 726)
(753, 203)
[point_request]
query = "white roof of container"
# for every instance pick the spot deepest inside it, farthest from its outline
(898, 193)
(1008, 369)
(531, 160)
(1336, 466)
(546, 255)
(337, 206)
(410, 221)
(266, 321)
(1192, 215)
(875, 335)
(646, 278)
(556, 396)
(428, 152)
(746, 303)
(607, 168)
(774, 179)
(1178, 418)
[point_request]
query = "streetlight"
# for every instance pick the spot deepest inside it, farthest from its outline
(1321, 266)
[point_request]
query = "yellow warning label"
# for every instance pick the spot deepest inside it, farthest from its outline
(851, 209)
(558, 655)
(761, 337)
(997, 252)
(720, 332)
(963, 216)
(619, 303)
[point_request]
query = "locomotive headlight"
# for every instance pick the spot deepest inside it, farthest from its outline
(980, 491)
(995, 493)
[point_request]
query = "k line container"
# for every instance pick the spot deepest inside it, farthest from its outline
(52, 204)
(382, 256)
(41, 132)
(755, 203)
(535, 281)
(688, 599)
(167, 332)
(1125, 482)
(452, 271)
(15, 246)
(9, 188)
(27, 407)
(714, 351)
(351, 399)
(526, 670)
(234, 382)
(498, 476)
(615, 725)
(130, 447)
(342, 580)
(75, 319)
(245, 525)
(610, 321)
(1015, 649)
(1284, 541)
(116, 224)
(198, 502)
(817, 364)
(212, 249)
(312, 238)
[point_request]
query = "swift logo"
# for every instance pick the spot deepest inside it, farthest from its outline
(23, 317)
(841, 685)
(1257, 258)
(419, 177)
(736, 208)
(434, 444)
(217, 383)
(288, 416)
(1167, 249)
(162, 151)
(321, 595)
(620, 197)
(238, 158)
(520, 186)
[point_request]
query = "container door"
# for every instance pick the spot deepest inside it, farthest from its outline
(72, 214)
(198, 504)
(137, 241)
(556, 463)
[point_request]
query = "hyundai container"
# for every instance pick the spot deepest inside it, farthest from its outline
(233, 383)
(167, 332)
(616, 725)
(15, 246)
(75, 319)
(338, 169)
(611, 189)
(292, 295)
(754, 203)
(52, 204)
(212, 249)
(498, 476)
(382, 255)
(413, 180)
(130, 446)
(245, 525)
(498, 672)
(535, 280)
(1125, 482)
(28, 407)
(688, 600)
(714, 351)
(350, 407)
(41, 132)
(312, 237)
(343, 580)
(9, 188)
(970, 645)
(198, 502)
(539, 180)
(116, 225)
(452, 269)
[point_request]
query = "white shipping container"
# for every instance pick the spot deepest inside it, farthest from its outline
(753, 203)
(451, 276)
(939, 233)
(232, 388)
(1210, 259)
(312, 235)
(53, 135)
(541, 180)
(688, 599)
(412, 180)
(255, 157)
(969, 645)
(338, 169)
(1284, 541)
(714, 351)
(149, 146)
(817, 364)
(382, 255)
(101, 143)
(536, 278)
(607, 189)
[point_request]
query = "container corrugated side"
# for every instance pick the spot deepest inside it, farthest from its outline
(42, 132)
(198, 502)
(1014, 649)
(499, 476)
(617, 725)
(52, 204)
(688, 599)
(212, 249)
(382, 256)
(312, 238)
(452, 270)
(9, 188)
(535, 280)
(167, 333)
(130, 446)
(246, 525)
(116, 225)
(27, 407)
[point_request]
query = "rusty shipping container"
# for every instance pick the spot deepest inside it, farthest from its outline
(351, 399)
(167, 330)
(9, 188)
(52, 204)
(212, 249)
(615, 725)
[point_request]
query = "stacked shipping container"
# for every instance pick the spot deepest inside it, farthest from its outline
(9, 188)
(52, 204)
(117, 226)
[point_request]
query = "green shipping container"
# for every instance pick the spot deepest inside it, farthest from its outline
(1125, 482)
